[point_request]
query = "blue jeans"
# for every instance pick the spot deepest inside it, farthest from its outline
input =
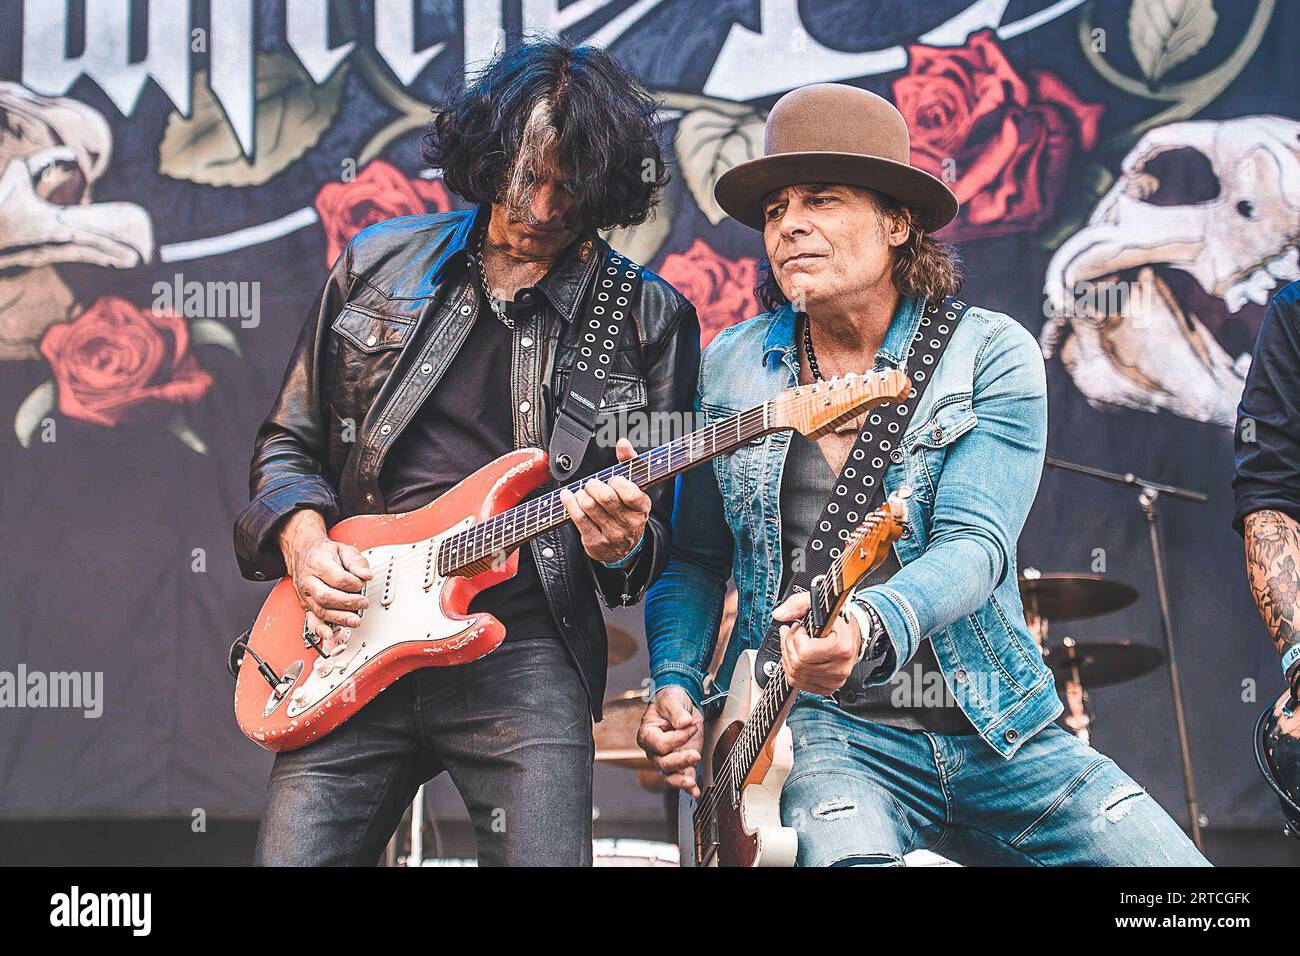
(514, 731)
(862, 793)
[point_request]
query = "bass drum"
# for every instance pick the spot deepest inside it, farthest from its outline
(633, 853)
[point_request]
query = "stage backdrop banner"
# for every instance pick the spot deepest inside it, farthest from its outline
(175, 180)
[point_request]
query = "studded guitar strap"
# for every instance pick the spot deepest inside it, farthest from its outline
(877, 447)
(607, 310)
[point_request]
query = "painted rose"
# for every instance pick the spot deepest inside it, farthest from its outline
(115, 361)
(1003, 142)
(721, 289)
(380, 192)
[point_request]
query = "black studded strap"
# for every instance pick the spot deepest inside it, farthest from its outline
(879, 445)
(608, 308)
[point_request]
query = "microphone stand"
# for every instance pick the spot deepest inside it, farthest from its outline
(1149, 493)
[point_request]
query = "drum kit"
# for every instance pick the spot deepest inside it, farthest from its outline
(1079, 665)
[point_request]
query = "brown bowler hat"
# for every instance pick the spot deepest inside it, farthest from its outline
(834, 133)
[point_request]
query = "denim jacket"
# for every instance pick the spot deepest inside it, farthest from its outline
(972, 455)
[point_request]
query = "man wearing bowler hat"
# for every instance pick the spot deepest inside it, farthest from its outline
(927, 717)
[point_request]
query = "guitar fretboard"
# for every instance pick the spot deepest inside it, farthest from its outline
(502, 533)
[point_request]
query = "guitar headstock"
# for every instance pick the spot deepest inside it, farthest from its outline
(870, 542)
(815, 409)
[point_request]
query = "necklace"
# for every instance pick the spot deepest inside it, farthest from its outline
(808, 348)
(497, 310)
(853, 424)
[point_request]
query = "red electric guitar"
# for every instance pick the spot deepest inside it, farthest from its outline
(429, 564)
(747, 750)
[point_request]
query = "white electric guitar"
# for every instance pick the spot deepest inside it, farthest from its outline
(748, 751)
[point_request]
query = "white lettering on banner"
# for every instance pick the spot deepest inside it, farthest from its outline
(231, 64)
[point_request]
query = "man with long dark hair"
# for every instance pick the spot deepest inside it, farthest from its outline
(925, 718)
(445, 341)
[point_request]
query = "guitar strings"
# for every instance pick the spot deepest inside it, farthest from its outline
(539, 514)
(546, 511)
(772, 697)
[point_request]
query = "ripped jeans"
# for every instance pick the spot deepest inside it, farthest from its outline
(862, 793)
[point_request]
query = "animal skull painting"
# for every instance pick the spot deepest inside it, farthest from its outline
(52, 150)
(1199, 228)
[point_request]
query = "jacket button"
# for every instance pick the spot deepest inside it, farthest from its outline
(374, 339)
(524, 406)
(896, 456)
(466, 310)
(960, 675)
(526, 342)
(937, 434)
(548, 553)
(370, 499)
(426, 368)
(259, 575)
(1011, 736)
(385, 429)
(906, 532)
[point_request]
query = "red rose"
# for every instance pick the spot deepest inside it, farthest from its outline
(1007, 140)
(380, 192)
(721, 289)
(115, 359)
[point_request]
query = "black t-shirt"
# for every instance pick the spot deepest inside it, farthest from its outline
(464, 424)
(1268, 419)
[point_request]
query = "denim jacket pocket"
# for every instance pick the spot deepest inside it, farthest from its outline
(926, 445)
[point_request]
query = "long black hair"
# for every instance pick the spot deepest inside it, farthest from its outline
(599, 119)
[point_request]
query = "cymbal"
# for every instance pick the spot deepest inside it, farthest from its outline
(1072, 597)
(616, 733)
(1102, 662)
(622, 645)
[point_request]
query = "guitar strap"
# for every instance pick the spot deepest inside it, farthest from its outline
(877, 447)
(607, 309)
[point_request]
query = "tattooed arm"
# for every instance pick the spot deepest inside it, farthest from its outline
(1273, 567)
(1267, 480)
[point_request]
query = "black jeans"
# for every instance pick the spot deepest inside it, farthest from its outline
(514, 731)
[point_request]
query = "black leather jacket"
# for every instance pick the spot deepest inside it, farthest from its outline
(398, 304)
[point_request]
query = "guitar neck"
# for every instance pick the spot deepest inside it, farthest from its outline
(504, 532)
(769, 713)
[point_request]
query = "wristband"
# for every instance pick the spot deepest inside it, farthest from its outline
(1289, 659)
(623, 563)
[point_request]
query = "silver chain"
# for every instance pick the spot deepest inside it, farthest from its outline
(497, 310)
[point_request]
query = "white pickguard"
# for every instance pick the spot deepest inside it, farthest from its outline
(402, 611)
(760, 802)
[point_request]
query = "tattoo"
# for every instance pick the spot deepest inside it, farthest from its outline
(1273, 568)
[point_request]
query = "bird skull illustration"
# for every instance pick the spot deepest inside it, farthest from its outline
(1174, 266)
